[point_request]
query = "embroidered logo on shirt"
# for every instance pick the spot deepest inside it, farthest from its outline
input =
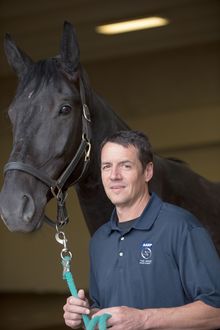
(146, 254)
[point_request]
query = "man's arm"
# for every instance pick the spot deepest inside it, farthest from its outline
(196, 315)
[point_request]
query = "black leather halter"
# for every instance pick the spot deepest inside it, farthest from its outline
(56, 186)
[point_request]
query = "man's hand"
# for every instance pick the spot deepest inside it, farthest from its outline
(124, 318)
(74, 308)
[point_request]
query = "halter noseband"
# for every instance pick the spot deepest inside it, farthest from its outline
(56, 186)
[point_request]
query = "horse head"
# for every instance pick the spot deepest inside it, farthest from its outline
(50, 124)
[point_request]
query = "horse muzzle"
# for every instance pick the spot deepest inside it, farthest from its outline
(19, 211)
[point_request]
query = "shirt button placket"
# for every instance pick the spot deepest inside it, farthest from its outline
(121, 253)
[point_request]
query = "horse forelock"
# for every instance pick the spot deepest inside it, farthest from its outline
(39, 75)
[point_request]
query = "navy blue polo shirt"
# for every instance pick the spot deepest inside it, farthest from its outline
(166, 259)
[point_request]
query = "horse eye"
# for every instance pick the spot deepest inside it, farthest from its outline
(65, 109)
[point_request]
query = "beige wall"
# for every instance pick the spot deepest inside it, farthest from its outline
(174, 96)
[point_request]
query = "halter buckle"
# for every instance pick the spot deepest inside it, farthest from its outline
(87, 155)
(56, 192)
(86, 112)
(88, 148)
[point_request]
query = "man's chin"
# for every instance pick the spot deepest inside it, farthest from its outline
(118, 202)
(117, 198)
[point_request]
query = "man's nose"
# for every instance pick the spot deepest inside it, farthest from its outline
(115, 173)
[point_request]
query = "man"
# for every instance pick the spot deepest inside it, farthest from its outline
(153, 265)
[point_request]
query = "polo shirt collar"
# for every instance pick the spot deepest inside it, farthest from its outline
(146, 219)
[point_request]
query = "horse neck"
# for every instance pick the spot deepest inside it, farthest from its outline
(94, 204)
(175, 182)
(106, 121)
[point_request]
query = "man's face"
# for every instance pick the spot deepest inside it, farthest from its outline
(123, 177)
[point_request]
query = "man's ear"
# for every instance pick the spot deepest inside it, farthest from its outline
(149, 171)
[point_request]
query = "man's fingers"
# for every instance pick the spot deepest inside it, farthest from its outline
(76, 301)
(76, 306)
(72, 316)
(76, 309)
(81, 294)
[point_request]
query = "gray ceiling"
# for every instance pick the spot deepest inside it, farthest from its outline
(37, 26)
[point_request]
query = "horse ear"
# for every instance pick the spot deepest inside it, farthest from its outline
(17, 59)
(69, 51)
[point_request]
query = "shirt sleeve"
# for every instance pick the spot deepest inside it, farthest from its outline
(200, 267)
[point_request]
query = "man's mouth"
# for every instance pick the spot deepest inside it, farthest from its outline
(117, 187)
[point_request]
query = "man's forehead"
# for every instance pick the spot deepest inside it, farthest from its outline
(116, 150)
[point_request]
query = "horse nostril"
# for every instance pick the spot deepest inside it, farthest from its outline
(27, 208)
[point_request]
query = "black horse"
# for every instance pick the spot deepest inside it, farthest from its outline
(57, 118)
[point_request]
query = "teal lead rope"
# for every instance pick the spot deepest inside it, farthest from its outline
(90, 324)
(66, 257)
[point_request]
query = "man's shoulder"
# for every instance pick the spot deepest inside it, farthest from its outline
(179, 216)
(101, 232)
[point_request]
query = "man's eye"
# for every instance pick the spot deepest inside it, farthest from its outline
(105, 167)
